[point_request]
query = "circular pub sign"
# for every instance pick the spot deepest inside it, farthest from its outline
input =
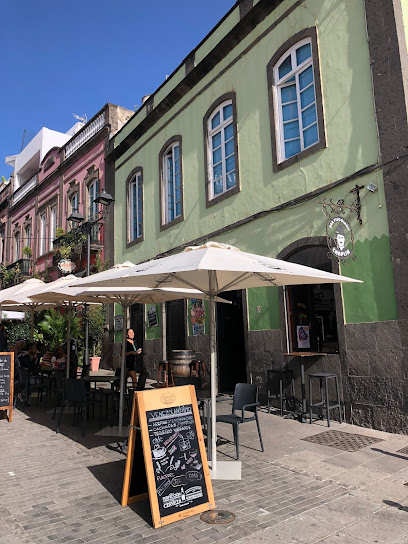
(66, 266)
(340, 238)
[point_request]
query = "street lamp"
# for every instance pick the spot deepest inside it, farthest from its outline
(104, 199)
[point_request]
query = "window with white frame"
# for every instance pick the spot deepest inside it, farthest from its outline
(92, 205)
(172, 183)
(74, 202)
(16, 246)
(296, 120)
(28, 235)
(43, 233)
(2, 245)
(135, 211)
(221, 150)
(53, 226)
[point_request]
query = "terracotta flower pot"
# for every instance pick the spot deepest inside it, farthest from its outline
(94, 363)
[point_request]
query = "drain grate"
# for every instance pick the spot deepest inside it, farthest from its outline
(217, 516)
(342, 441)
(404, 450)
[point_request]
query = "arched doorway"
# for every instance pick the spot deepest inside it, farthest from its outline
(311, 309)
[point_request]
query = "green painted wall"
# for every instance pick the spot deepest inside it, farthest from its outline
(374, 300)
(263, 309)
(351, 145)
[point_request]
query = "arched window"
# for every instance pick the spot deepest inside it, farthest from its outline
(294, 80)
(135, 206)
(221, 142)
(171, 183)
(311, 309)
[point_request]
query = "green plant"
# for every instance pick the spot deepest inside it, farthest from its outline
(18, 330)
(54, 328)
(99, 265)
(59, 231)
(27, 252)
(96, 320)
(71, 242)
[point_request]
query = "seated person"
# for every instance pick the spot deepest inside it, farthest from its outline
(61, 359)
(31, 359)
(48, 359)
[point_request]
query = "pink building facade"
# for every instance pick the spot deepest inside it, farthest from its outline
(68, 178)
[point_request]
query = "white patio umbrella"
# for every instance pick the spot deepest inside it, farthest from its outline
(214, 268)
(124, 296)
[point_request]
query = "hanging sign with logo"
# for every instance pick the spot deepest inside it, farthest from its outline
(340, 238)
(66, 266)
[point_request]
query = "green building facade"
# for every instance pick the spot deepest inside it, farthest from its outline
(280, 120)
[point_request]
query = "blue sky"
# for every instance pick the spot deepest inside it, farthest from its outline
(64, 57)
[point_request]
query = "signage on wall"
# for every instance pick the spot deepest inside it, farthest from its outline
(118, 323)
(152, 320)
(66, 266)
(340, 238)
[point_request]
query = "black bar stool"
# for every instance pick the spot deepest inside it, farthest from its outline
(278, 383)
(324, 403)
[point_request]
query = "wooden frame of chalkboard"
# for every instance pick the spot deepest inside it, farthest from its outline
(7, 383)
(166, 458)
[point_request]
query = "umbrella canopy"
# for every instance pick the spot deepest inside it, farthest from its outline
(9, 294)
(232, 268)
(126, 296)
(214, 268)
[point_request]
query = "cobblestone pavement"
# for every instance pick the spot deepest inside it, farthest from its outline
(63, 488)
(53, 489)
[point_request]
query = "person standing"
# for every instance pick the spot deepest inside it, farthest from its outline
(133, 364)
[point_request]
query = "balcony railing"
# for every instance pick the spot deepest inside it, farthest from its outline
(25, 189)
(23, 264)
(84, 135)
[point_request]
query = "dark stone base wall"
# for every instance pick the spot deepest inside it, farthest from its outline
(371, 372)
(375, 386)
(152, 350)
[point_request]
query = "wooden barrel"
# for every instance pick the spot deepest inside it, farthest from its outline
(180, 362)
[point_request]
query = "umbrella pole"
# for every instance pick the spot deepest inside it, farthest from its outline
(32, 325)
(122, 367)
(69, 339)
(164, 331)
(213, 366)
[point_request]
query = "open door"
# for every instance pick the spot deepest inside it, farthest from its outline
(231, 342)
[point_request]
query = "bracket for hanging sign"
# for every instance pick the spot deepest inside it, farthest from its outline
(339, 234)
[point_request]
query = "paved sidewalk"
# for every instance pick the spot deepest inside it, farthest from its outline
(62, 488)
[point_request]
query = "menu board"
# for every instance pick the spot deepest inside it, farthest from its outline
(174, 455)
(6, 382)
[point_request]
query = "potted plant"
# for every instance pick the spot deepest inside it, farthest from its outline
(96, 319)
(27, 252)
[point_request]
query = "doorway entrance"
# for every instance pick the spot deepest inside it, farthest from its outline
(312, 322)
(231, 342)
(175, 325)
(136, 323)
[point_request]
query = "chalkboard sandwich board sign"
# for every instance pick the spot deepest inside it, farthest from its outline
(6, 383)
(166, 458)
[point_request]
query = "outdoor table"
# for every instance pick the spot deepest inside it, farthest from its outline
(105, 378)
(302, 355)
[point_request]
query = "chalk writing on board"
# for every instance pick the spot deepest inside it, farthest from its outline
(176, 459)
(5, 380)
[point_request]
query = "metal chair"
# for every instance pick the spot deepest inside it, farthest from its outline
(74, 395)
(246, 400)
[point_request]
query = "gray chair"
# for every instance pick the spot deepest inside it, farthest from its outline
(245, 400)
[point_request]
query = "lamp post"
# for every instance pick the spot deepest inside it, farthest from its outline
(105, 199)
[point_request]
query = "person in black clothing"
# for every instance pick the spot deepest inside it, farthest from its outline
(31, 359)
(133, 364)
(3, 338)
